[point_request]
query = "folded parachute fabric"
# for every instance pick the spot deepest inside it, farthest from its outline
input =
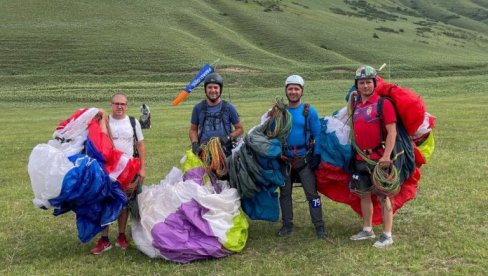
(255, 167)
(119, 166)
(82, 131)
(88, 191)
(409, 106)
(183, 218)
(335, 146)
(65, 180)
(265, 152)
(76, 125)
(333, 175)
(262, 206)
(239, 176)
(80, 186)
(424, 140)
(49, 163)
(333, 182)
(256, 171)
(47, 167)
(256, 164)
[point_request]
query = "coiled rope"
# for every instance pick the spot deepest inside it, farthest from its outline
(213, 157)
(278, 125)
(386, 179)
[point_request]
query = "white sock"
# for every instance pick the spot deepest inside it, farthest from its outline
(388, 234)
(367, 228)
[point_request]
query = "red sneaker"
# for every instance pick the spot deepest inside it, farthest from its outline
(122, 241)
(102, 246)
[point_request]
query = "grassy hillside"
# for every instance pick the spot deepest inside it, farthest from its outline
(171, 39)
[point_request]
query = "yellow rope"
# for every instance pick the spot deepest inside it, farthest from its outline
(278, 124)
(213, 157)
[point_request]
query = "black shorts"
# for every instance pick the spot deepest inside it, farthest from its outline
(361, 178)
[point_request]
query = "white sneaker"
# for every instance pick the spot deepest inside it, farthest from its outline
(363, 235)
(383, 241)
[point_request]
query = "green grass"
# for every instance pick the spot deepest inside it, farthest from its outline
(58, 56)
(441, 231)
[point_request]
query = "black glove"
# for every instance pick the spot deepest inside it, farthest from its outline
(195, 148)
(314, 161)
(224, 140)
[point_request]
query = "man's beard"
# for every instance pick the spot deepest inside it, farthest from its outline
(213, 100)
(293, 101)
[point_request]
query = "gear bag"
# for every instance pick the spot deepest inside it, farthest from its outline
(145, 118)
(403, 156)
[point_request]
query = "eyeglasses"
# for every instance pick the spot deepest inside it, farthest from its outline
(121, 104)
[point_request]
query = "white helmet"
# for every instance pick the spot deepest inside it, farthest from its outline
(294, 79)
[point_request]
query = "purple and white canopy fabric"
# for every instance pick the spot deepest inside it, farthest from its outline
(184, 218)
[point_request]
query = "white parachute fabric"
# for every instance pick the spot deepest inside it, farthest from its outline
(74, 146)
(338, 124)
(47, 168)
(425, 127)
(335, 143)
(49, 163)
(76, 126)
(182, 220)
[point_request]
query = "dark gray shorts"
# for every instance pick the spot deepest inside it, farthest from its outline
(361, 178)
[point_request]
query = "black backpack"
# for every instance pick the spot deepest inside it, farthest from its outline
(133, 124)
(404, 162)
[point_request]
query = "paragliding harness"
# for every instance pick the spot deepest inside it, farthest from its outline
(386, 180)
(224, 110)
(135, 187)
(299, 162)
(134, 145)
(145, 118)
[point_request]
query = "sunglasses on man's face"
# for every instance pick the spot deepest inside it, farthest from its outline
(121, 104)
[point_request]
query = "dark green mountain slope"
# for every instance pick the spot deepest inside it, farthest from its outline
(321, 38)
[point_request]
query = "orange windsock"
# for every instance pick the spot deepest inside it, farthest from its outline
(181, 97)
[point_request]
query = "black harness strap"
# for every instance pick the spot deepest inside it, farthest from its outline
(382, 122)
(306, 111)
(133, 124)
(220, 115)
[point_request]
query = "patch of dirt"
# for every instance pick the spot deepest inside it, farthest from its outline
(340, 71)
(237, 70)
